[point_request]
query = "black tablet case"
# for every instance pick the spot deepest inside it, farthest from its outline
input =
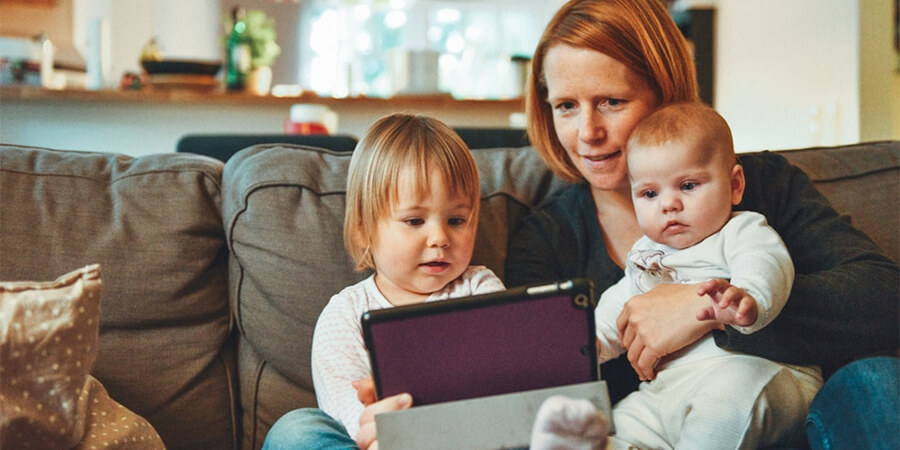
(517, 340)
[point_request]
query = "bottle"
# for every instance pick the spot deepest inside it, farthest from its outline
(45, 51)
(237, 52)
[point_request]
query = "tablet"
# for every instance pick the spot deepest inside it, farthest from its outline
(525, 338)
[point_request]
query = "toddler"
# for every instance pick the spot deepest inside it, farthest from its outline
(411, 216)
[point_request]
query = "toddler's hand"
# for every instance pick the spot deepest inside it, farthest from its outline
(730, 304)
(366, 438)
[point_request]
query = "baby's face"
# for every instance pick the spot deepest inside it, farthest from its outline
(424, 243)
(682, 196)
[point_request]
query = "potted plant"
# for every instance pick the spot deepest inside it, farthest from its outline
(258, 33)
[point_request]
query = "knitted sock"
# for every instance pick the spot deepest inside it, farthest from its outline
(567, 423)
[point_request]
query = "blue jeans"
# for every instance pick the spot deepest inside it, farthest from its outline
(858, 407)
(307, 428)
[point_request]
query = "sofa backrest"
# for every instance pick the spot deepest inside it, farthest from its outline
(862, 181)
(154, 225)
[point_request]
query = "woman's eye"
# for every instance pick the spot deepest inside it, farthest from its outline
(565, 106)
(688, 186)
(612, 103)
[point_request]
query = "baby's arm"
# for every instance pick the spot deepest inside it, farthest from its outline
(730, 304)
(760, 264)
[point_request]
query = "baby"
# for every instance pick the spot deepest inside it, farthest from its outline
(685, 179)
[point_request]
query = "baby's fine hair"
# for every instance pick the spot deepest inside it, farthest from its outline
(393, 143)
(692, 123)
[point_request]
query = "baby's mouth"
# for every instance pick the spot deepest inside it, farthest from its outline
(674, 227)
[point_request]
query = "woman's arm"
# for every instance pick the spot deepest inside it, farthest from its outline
(844, 302)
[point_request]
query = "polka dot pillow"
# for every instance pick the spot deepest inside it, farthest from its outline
(48, 345)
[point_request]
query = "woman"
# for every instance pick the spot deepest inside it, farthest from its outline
(599, 68)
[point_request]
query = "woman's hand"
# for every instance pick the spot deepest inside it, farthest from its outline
(366, 437)
(662, 321)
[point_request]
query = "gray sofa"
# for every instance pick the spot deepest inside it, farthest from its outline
(214, 274)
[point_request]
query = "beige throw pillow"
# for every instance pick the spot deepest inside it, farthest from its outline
(48, 345)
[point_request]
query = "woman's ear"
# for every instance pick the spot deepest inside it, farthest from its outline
(737, 184)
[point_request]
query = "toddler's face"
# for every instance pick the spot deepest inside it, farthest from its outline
(681, 196)
(426, 242)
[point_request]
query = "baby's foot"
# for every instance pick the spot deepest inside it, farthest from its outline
(567, 423)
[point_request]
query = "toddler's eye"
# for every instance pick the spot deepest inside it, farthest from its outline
(457, 221)
(688, 186)
(414, 221)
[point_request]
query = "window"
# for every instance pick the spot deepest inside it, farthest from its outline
(380, 48)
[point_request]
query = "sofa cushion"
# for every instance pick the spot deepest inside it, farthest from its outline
(48, 345)
(154, 224)
(849, 173)
(283, 212)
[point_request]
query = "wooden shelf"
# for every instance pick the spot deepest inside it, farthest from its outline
(175, 96)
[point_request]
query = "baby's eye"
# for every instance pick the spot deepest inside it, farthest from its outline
(415, 221)
(688, 186)
(457, 221)
(649, 194)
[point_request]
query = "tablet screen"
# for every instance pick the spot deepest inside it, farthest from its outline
(516, 340)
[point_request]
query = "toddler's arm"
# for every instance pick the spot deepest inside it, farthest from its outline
(730, 304)
(338, 359)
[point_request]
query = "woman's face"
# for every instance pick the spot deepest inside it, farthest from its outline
(596, 102)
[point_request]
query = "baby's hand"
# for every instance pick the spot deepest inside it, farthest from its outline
(730, 304)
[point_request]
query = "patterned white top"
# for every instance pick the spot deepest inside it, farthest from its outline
(339, 354)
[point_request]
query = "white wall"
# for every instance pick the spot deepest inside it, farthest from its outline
(787, 72)
(879, 72)
(183, 30)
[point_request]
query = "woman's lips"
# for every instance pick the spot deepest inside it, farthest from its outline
(601, 160)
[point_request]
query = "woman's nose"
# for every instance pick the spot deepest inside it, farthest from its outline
(591, 127)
